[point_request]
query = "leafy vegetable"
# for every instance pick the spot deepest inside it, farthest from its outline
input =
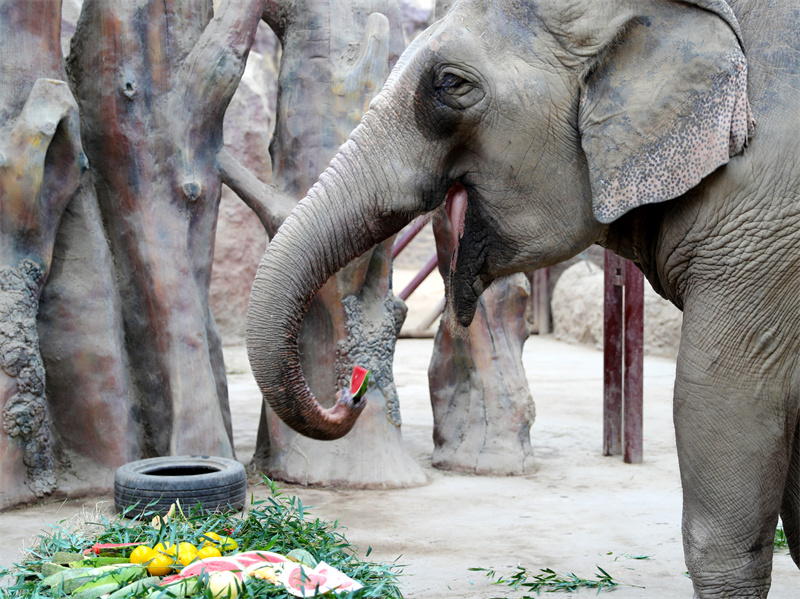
(279, 523)
(550, 582)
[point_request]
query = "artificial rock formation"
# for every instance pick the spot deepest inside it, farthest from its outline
(153, 80)
(241, 238)
(336, 56)
(577, 306)
(41, 166)
(131, 352)
(482, 405)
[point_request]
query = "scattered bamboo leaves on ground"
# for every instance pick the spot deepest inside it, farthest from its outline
(549, 581)
(780, 538)
(279, 524)
(629, 556)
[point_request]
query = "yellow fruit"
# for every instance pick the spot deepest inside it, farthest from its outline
(208, 551)
(211, 539)
(228, 544)
(142, 554)
(187, 553)
(169, 549)
(160, 565)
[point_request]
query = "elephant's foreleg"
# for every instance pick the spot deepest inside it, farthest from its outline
(731, 429)
(790, 510)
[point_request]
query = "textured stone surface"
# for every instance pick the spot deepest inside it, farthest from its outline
(577, 306)
(41, 165)
(354, 317)
(241, 238)
(24, 415)
(415, 14)
(482, 406)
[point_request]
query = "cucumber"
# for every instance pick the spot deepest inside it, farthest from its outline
(135, 589)
(119, 577)
(49, 568)
(65, 557)
(181, 588)
(71, 579)
(96, 592)
(68, 579)
(96, 562)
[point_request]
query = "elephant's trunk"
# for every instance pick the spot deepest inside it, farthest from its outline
(344, 215)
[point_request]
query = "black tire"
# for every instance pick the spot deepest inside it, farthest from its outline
(151, 486)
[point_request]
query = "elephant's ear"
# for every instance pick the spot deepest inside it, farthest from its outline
(663, 107)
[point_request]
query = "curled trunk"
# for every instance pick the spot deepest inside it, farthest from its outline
(324, 233)
(336, 56)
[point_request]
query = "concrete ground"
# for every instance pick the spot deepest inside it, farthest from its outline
(578, 510)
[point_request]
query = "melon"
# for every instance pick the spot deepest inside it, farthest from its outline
(359, 381)
(223, 584)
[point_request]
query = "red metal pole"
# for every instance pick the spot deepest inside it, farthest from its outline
(614, 277)
(541, 291)
(406, 237)
(420, 276)
(634, 349)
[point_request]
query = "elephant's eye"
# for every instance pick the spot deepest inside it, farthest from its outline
(453, 84)
(451, 81)
(456, 90)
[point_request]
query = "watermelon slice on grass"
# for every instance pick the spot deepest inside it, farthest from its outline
(249, 558)
(359, 381)
(207, 566)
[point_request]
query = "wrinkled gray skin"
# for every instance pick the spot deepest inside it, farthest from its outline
(558, 115)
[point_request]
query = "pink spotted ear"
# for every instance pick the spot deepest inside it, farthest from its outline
(665, 106)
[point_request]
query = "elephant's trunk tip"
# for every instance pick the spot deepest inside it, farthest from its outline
(336, 421)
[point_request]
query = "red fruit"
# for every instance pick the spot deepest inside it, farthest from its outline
(304, 579)
(248, 558)
(213, 564)
(359, 381)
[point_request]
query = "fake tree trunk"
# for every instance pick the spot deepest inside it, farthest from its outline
(153, 80)
(336, 56)
(133, 359)
(41, 165)
(482, 406)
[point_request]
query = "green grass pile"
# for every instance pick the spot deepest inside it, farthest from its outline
(279, 523)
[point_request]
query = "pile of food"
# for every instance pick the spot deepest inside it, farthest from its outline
(183, 570)
(272, 551)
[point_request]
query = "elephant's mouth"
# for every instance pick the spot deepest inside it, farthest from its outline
(456, 206)
(463, 298)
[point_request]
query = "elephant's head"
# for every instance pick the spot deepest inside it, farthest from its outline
(537, 123)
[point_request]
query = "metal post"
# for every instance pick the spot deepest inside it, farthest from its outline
(541, 291)
(614, 278)
(412, 232)
(634, 349)
(420, 276)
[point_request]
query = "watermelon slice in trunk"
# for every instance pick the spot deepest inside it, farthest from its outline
(359, 381)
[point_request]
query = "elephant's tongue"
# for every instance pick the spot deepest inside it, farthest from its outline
(456, 206)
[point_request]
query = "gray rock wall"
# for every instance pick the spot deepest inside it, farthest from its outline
(577, 308)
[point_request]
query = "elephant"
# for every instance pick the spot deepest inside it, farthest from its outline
(664, 131)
